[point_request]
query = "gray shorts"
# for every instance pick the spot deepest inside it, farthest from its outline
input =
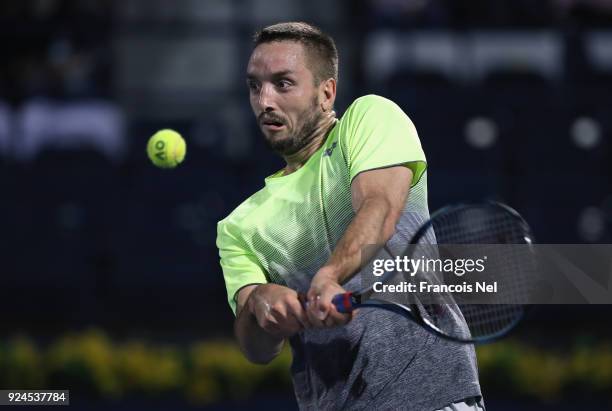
(469, 404)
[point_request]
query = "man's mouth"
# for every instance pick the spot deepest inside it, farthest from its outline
(272, 125)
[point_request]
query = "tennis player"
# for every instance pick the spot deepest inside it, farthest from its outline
(347, 183)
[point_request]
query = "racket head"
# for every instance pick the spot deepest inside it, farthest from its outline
(463, 223)
(492, 227)
(488, 224)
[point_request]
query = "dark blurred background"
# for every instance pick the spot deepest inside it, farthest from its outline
(512, 100)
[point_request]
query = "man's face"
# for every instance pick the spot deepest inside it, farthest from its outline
(283, 95)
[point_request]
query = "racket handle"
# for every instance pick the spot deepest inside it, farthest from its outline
(344, 303)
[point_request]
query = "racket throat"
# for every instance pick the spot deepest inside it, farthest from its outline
(347, 302)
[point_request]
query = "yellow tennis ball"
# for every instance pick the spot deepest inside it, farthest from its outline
(166, 148)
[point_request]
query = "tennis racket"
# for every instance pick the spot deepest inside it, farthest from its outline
(490, 228)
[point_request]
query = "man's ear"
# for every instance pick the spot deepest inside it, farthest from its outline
(327, 94)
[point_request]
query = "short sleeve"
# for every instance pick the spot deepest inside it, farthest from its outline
(240, 267)
(376, 133)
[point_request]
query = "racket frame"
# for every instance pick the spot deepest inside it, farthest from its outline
(350, 301)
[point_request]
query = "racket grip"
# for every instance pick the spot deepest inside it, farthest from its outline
(344, 303)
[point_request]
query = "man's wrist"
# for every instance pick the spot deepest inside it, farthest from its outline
(330, 272)
(250, 303)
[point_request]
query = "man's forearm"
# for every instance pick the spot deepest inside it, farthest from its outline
(374, 223)
(256, 344)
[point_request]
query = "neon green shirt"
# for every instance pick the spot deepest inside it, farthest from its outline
(286, 231)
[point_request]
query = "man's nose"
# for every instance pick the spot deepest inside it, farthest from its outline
(266, 99)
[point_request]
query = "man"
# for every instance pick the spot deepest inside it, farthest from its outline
(345, 185)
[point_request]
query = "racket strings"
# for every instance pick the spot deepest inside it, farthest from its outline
(484, 231)
(486, 319)
(470, 227)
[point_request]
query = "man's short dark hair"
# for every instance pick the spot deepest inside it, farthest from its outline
(320, 47)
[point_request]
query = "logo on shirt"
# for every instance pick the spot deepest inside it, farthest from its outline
(330, 150)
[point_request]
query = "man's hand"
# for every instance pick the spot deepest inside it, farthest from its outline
(321, 312)
(378, 197)
(278, 310)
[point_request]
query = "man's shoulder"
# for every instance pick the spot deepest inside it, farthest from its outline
(243, 210)
(371, 101)
(372, 108)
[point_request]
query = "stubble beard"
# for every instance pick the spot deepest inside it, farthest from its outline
(302, 136)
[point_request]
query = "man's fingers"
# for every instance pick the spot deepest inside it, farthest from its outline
(301, 321)
(281, 326)
(297, 308)
(268, 323)
(332, 317)
(335, 318)
(313, 296)
(330, 322)
(290, 316)
(278, 310)
(316, 317)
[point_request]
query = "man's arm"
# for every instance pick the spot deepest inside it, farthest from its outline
(378, 196)
(266, 315)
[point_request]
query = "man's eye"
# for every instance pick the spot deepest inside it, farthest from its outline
(284, 83)
(253, 86)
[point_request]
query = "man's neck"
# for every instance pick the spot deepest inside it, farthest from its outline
(297, 160)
